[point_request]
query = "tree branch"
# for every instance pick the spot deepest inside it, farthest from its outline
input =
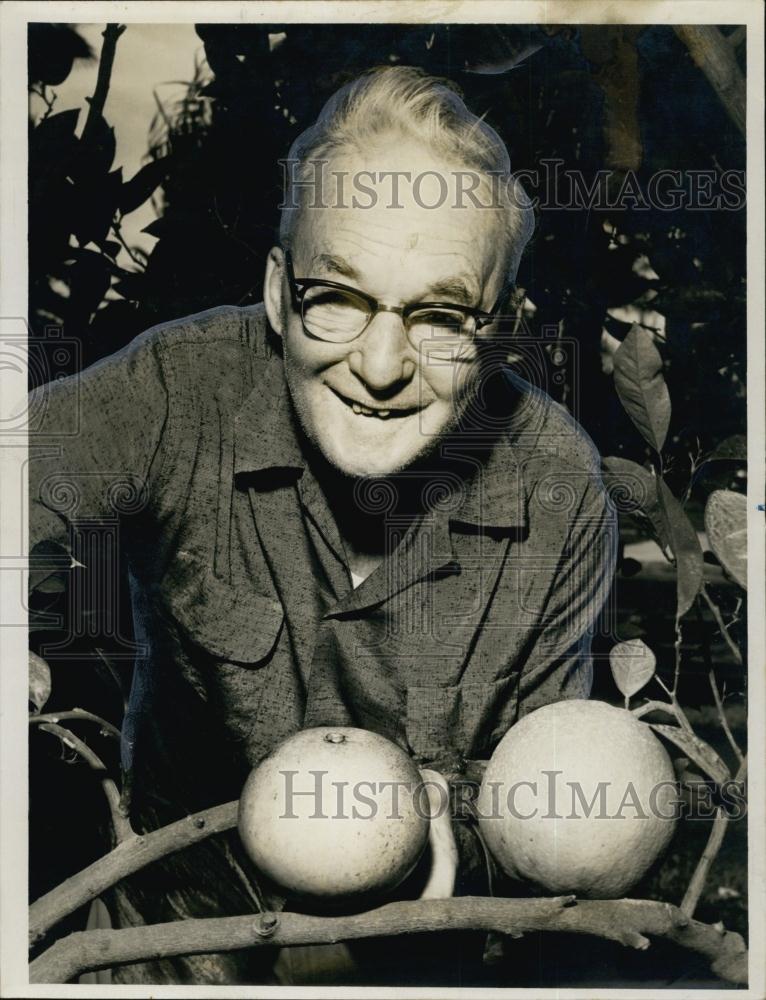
(714, 55)
(716, 612)
(626, 921)
(722, 717)
(714, 687)
(76, 713)
(131, 855)
(712, 847)
(110, 34)
(675, 704)
(120, 823)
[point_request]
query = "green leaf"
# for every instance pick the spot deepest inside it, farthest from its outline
(633, 665)
(633, 489)
(697, 750)
(686, 548)
(143, 184)
(733, 449)
(40, 684)
(641, 387)
(726, 527)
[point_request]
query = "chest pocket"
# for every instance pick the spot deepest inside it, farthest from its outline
(233, 623)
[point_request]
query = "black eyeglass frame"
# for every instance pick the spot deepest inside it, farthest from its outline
(299, 287)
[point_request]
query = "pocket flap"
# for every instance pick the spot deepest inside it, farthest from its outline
(231, 622)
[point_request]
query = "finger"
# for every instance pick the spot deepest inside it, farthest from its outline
(444, 855)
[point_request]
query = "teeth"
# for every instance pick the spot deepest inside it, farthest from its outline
(368, 412)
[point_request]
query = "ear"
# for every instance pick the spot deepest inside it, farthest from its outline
(274, 289)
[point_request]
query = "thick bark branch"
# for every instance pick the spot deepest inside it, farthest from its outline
(714, 55)
(128, 857)
(626, 921)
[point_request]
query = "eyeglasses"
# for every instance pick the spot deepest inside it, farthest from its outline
(337, 313)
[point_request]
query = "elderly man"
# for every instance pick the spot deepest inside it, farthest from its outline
(346, 508)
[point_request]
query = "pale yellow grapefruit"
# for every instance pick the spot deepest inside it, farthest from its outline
(335, 812)
(578, 797)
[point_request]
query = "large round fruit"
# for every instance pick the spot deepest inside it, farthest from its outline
(334, 812)
(578, 797)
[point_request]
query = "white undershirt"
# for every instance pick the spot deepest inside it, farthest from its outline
(356, 579)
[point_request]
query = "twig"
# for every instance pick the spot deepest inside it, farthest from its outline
(712, 847)
(714, 686)
(694, 464)
(722, 717)
(110, 34)
(715, 56)
(716, 612)
(117, 230)
(627, 921)
(42, 92)
(120, 823)
(128, 857)
(77, 713)
(677, 654)
(676, 706)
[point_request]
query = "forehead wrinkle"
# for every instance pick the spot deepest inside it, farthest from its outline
(381, 226)
(353, 238)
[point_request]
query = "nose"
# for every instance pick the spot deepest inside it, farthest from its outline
(382, 355)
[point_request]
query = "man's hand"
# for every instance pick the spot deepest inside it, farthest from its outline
(444, 856)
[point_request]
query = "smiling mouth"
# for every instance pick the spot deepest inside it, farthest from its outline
(378, 412)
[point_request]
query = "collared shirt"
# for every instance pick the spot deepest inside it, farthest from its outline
(248, 625)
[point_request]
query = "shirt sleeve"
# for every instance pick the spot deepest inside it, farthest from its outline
(96, 445)
(560, 665)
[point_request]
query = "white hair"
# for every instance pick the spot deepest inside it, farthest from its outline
(405, 100)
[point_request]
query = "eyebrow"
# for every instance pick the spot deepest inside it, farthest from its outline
(448, 289)
(335, 265)
(452, 289)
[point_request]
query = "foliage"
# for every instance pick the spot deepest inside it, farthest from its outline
(647, 301)
(640, 385)
(570, 102)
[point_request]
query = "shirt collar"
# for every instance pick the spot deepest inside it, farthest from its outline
(494, 497)
(494, 493)
(265, 435)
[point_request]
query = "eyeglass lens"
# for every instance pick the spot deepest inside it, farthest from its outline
(337, 315)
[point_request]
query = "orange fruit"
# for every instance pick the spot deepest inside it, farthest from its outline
(578, 797)
(334, 812)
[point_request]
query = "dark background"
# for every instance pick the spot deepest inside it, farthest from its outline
(599, 97)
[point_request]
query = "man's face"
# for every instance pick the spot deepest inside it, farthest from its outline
(375, 405)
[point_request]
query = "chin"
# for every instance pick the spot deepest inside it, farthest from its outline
(358, 446)
(359, 465)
